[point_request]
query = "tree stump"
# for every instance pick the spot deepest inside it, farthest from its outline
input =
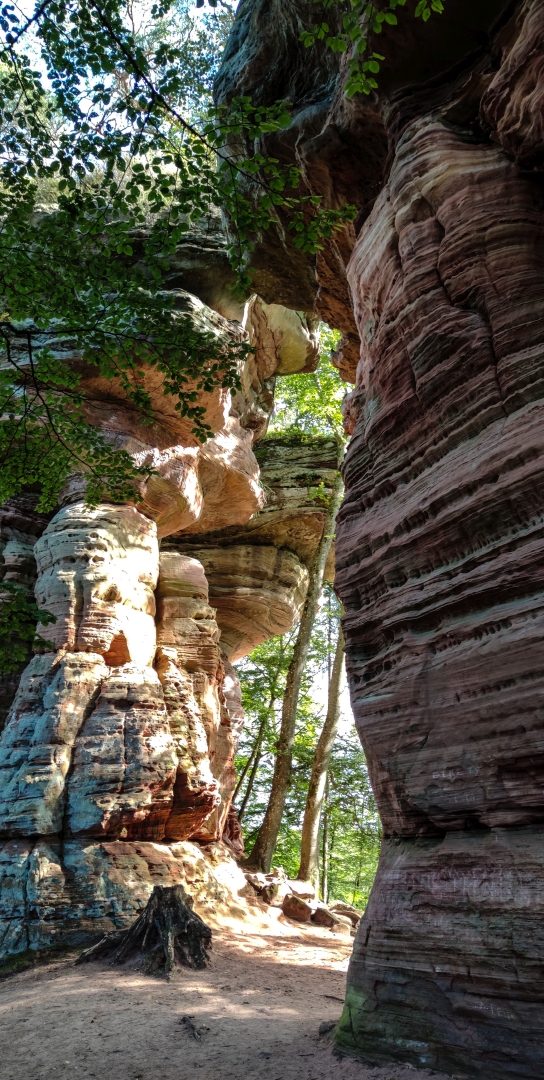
(167, 934)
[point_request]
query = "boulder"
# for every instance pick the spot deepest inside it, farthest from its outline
(323, 917)
(272, 888)
(256, 879)
(275, 893)
(340, 924)
(297, 909)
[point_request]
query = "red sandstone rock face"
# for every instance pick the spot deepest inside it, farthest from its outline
(440, 567)
(109, 881)
(451, 314)
(258, 574)
(513, 103)
(440, 558)
(123, 762)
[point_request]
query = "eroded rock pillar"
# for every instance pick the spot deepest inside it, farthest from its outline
(440, 559)
(113, 751)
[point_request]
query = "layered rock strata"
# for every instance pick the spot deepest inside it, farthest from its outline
(439, 544)
(258, 574)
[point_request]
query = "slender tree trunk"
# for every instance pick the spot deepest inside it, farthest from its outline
(253, 773)
(263, 849)
(254, 758)
(330, 852)
(325, 848)
(309, 848)
(254, 751)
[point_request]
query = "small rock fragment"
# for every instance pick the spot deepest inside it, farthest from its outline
(191, 1028)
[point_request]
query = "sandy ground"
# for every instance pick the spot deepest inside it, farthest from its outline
(257, 1009)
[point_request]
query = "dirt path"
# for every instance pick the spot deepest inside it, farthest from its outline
(258, 1009)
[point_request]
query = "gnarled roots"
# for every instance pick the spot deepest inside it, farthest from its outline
(167, 934)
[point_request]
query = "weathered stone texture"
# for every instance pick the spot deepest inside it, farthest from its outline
(439, 559)
(37, 743)
(97, 572)
(513, 103)
(124, 761)
(50, 897)
(438, 552)
(258, 574)
(257, 591)
(449, 953)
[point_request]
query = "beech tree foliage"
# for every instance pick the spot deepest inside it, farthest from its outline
(312, 404)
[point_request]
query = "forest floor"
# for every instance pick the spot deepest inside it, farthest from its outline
(257, 1010)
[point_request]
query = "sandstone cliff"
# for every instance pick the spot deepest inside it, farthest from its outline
(438, 288)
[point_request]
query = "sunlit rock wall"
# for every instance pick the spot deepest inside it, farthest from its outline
(258, 574)
(439, 545)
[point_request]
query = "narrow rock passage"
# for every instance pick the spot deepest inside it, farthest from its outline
(255, 1013)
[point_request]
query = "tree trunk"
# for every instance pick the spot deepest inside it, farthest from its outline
(166, 934)
(309, 849)
(325, 849)
(257, 749)
(251, 781)
(254, 753)
(263, 850)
